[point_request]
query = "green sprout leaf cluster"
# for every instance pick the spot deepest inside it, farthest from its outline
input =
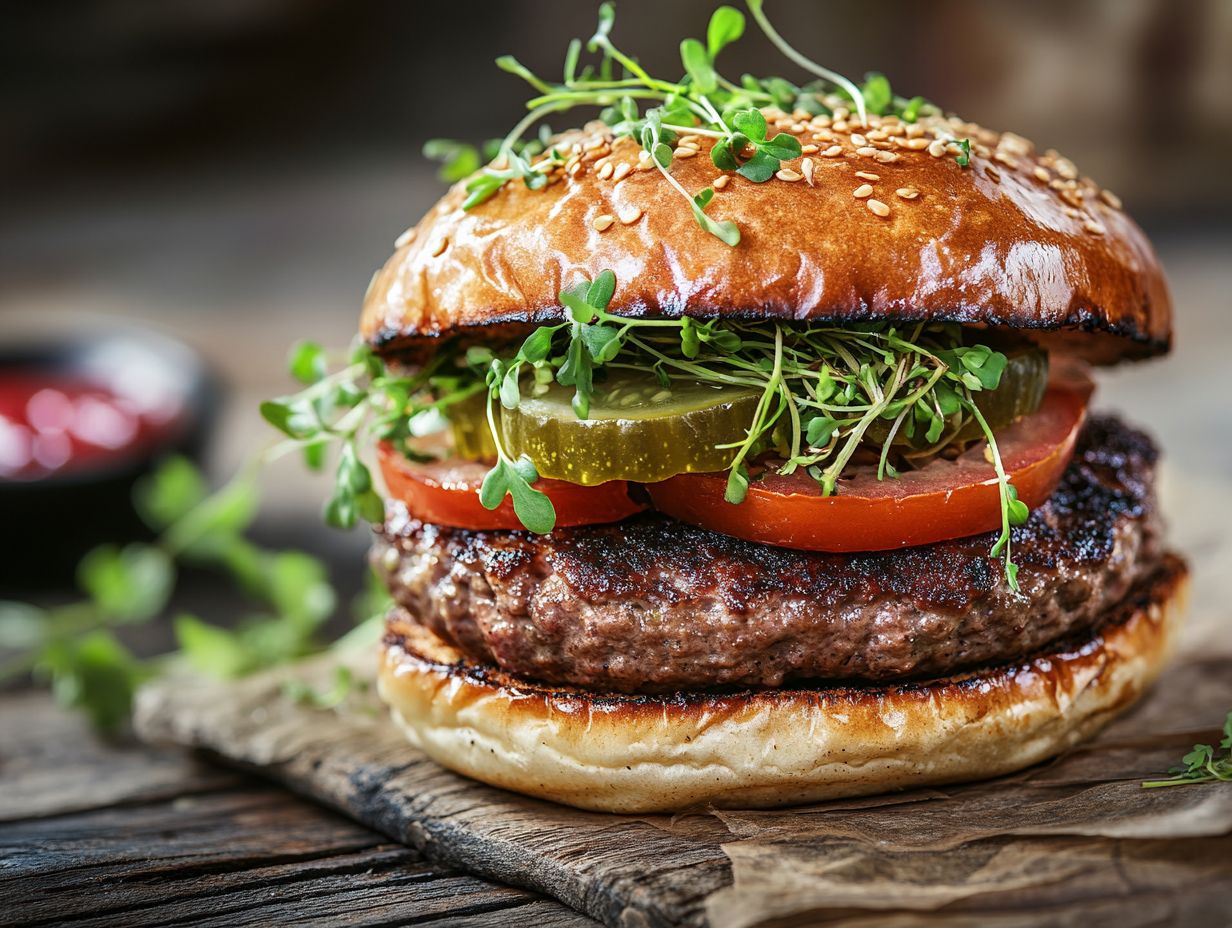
(1203, 764)
(827, 392)
(703, 102)
(77, 647)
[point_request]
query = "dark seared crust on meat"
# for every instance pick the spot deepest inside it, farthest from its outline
(652, 605)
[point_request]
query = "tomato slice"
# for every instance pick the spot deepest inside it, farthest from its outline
(945, 499)
(446, 492)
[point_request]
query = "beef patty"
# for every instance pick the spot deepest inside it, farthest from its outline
(651, 604)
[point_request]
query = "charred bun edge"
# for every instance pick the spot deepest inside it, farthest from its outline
(763, 748)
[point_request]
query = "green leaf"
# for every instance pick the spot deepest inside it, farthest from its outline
(211, 650)
(737, 485)
(458, 160)
(819, 430)
(534, 510)
(168, 493)
(482, 188)
(726, 231)
(760, 168)
(306, 362)
(750, 123)
(96, 674)
(510, 390)
(607, 17)
(579, 309)
(1017, 509)
(698, 66)
(495, 486)
(293, 418)
(911, 112)
(299, 589)
(964, 157)
(726, 26)
(722, 157)
(599, 295)
(877, 93)
(538, 344)
(603, 342)
(129, 584)
(783, 146)
(662, 154)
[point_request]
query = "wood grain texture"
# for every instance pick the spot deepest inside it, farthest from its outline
(98, 834)
(1077, 839)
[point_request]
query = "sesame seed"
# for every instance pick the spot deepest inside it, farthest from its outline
(622, 171)
(1070, 212)
(867, 175)
(1041, 174)
(808, 149)
(796, 128)
(864, 190)
(575, 169)
(721, 181)
(439, 248)
(405, 238)
(885, 157)
(841, 112)
(839, 125)
(602, 223)
(993, 173)
(878, 208)
(1110, 198)
(866, 151)
(684, 152)
(788, 174)
(693, 140)
(914, 130)
(630, 216)
(1066, 169)
(936, 148)
(907, 193)
(858, 140)
(1072, 197)
(916, 144)
(1005, 159)
(833, 151)
(807, 167)
(606, 171)
(686, 145)
(594, 144)
(1093, 227)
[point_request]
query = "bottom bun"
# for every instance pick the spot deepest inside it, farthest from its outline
(760, 748)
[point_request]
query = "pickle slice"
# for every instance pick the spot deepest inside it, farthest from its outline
(638, 430)
(468, 420)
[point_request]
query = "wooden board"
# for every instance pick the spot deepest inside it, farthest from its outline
(1073, 842)
(100, 834)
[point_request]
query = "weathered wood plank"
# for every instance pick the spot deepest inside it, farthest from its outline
(212, 847)
(1078, 837)
(51, 763)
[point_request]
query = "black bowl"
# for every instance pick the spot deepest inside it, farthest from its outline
(49, 521)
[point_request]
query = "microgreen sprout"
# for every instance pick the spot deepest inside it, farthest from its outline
(703, 103)
(826, 391)
(1203, 764)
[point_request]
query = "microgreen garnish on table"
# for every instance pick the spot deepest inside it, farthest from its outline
(701, 104)
(77, 647)
(1203, 764)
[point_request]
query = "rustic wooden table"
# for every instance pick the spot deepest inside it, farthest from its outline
(99, 834)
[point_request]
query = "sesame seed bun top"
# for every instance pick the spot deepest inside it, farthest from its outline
(871, 223)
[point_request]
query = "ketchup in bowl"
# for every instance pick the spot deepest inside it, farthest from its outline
(51, 425)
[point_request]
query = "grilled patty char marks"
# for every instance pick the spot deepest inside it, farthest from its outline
(651, 604)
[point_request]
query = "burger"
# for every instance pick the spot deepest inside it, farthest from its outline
(737, 451)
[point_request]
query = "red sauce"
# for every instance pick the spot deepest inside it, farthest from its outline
(50, 425)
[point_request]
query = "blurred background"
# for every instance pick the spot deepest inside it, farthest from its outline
(232, 171)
